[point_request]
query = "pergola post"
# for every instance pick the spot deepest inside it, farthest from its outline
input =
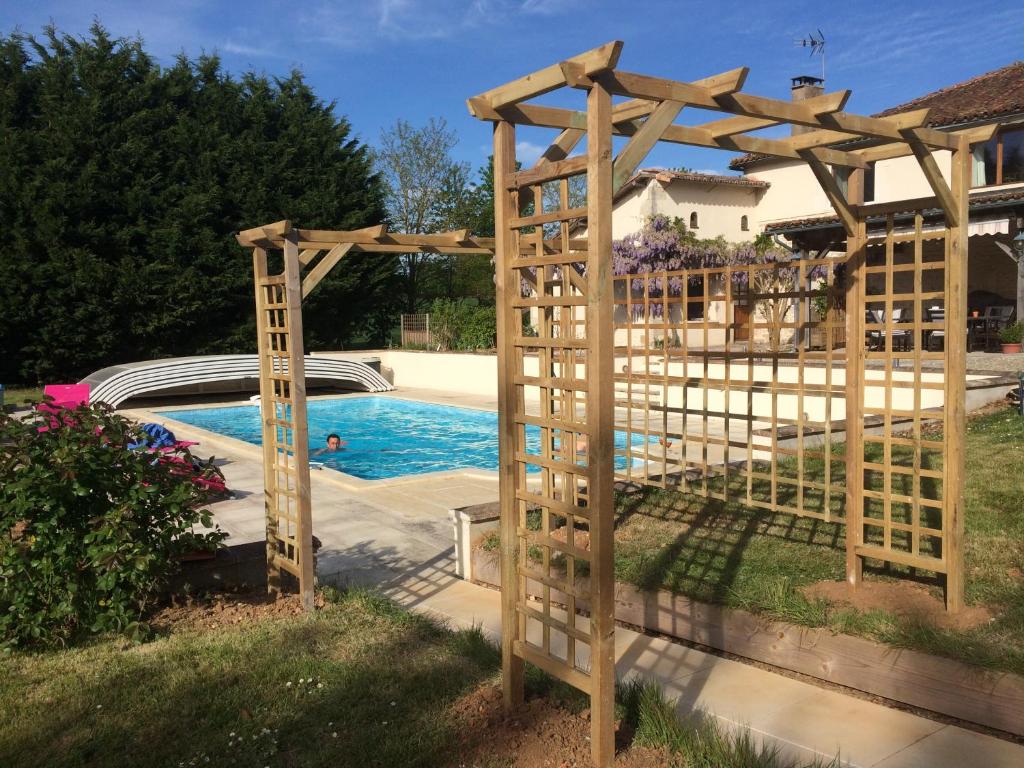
(508, 324)
(600, 417)
(956, 373)
(856, 260)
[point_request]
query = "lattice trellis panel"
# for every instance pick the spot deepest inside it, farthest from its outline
(732, 384)
(556, 441)
(551, 438)
(726, 386)
(904, 515)
(283, 412)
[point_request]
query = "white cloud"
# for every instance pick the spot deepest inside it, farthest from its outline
(241, 49)
(546, 7)
(528, 153)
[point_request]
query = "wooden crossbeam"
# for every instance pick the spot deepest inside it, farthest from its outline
(308, 256)
(699, 94)
(831, 188)
(548, 172)
(323, 267)
(807, 112)
(276, 230)
(640, 144)
(930, 167)
(843, 122)
(548, 79)
(632, 109)
(560, 148)
(977, 135)
(554, 117)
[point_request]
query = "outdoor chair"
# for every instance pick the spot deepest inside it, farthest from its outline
(936, 315)
(876, 338)
(997, 317)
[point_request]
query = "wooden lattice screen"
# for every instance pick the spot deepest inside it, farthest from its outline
(576, 375)
(283, 412)
(748, 421)
(555, 404)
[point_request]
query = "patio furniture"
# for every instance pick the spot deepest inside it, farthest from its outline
(68, 395)
(876, 339)
(996, 318)
(936, 315)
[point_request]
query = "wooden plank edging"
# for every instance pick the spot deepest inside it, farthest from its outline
(986, 697)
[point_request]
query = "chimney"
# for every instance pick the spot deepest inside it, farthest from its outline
(806, 87)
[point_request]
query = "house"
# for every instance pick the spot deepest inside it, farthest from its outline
(794, 208)
(710, 205)
(782, 198)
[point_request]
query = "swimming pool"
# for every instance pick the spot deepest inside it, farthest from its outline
(387, 437)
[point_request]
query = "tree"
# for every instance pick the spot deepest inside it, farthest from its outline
(425, 190)
(122, 185)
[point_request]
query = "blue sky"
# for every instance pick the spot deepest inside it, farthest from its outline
(387, 59)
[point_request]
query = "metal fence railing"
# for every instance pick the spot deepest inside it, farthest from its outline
(416, 330)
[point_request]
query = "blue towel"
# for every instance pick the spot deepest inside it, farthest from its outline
(157, 436)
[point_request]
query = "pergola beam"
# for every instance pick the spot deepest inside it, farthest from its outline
(323, 267)
(847, 214)
(555, 117)
(933, 175)
(641, 143)
(548, 79)
(976, 135)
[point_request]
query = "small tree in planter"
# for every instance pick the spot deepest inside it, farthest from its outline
(1011, 337)
(90, 529)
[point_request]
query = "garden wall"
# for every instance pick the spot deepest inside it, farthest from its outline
(986, 697)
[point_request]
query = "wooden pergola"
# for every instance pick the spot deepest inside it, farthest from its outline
(308, 256)
(570, 395)
(562, 380)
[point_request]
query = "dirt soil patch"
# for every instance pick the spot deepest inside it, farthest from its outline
(541, 735)
(224, 609)
(912, 601)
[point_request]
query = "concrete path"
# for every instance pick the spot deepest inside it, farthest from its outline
(397, 535)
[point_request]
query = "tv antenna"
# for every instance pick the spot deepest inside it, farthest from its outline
(817, 45)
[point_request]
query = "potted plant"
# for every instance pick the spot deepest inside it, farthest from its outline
(1011, 336)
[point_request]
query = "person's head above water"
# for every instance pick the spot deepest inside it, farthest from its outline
(334, 442)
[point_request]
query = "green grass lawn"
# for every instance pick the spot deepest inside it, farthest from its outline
(17, 396)
(726, 553)
(729, 554)
(358, 683)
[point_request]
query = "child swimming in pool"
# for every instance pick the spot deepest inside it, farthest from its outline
(334, 444)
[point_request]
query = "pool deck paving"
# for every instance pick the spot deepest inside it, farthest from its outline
(396, 535)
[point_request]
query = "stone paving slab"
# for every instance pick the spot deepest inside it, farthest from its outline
(397, 536)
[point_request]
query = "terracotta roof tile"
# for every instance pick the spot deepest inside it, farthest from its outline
(993, 94)
(665, 175)
(984, 198)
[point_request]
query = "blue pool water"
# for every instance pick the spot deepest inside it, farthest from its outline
(387, 437)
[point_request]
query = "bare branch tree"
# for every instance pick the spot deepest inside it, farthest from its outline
(420, 176)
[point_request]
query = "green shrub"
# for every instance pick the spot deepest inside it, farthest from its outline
(89, 529)
(462, 325)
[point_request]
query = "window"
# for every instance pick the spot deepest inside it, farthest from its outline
(693, 220)
(1000, 160)
(743, 224)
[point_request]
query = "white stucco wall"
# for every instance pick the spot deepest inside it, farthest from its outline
(795, 193)
(719, 208)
